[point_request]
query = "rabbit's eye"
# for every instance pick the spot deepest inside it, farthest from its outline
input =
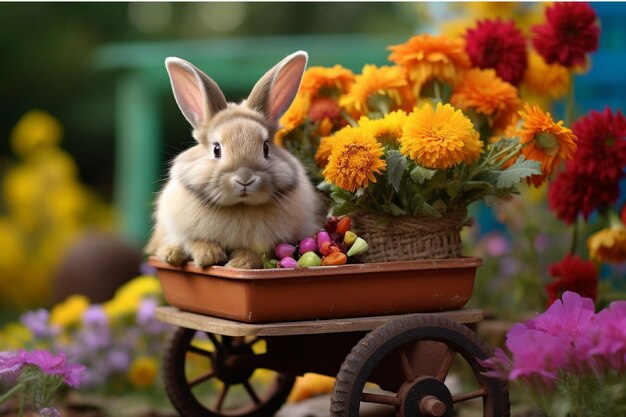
(217, 150)
(266, 150)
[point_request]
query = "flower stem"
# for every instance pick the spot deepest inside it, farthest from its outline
(349, 119)
(11, 392)
(574, 241)
(437, 89)
(569, 105)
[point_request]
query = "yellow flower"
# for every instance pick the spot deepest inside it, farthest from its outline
(378, 89)
(428, 57)
(143, 372)
(70, 311)
(487, 94)
(15, 336)
(608, 245)
(543, 79)
(324, 149)
(128, 297)
(545, 141)
(336, 80)
(440, 138)
(387, 130)
(354, 160)
(293, 117)
(35, 130)
(310, 385)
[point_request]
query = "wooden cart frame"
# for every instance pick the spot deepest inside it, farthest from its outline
(407, 356)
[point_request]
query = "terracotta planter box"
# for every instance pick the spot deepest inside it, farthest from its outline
(272, 295)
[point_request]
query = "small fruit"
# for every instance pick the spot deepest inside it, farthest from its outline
(309, 259)
(288, 262)
(335, 258)
(307, 245)
(349, 237)
(359, 246)
(322, 237)
(284, 249)
(343, 225)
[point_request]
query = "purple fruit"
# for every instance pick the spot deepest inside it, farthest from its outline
(283, 250)
(308, 245)
(288, 262)
(322, 237)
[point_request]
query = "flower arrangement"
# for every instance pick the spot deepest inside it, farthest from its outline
(569, 359)
(446, 125)
(36, 377)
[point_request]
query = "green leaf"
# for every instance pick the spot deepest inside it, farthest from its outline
(430, 210)
(396, 165)
(394, 210)
(521, 169)
(420, 174)
(453, 188)
(325, 187)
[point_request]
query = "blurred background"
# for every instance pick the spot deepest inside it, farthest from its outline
(88, 122)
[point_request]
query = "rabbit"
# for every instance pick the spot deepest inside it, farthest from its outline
(235, 194)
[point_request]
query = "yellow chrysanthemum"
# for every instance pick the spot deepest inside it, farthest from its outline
(143, 372)
(440, 138)
(15, 336)
(70, 311)
(551, 80)
(487, 94)
(354, 160)
(545, 141)
(426, 57)
(608, 245)
(378, 89)
(293, 117)
(387, 130)
(316, 79)
(35, 130)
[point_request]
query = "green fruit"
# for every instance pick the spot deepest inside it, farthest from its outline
(309, 259)
(349, 237)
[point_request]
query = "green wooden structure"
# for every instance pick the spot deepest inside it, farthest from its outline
(235, 64)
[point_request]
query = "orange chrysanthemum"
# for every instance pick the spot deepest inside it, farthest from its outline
(317, 79)
(326, 145)
(427, 57)
(487, 94)
(375, 87)
(545, 141)
(608, 245)
(551, 80)
(354, 160)
(440, 138)
(293, 117)
(387, 130)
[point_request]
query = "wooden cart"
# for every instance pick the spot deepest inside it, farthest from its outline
(400, 361)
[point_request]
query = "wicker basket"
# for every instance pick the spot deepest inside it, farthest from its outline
(408, 238)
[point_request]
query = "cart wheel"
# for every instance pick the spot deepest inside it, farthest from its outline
(410, 359)
(202, 381)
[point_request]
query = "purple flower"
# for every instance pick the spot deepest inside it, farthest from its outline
(496, 245)
(604, 346)
(49, 412)
(53, 365)
(95, 317)
(118, 360)
(10, 363)
(536, 354)
(37, 323)
(570, 317)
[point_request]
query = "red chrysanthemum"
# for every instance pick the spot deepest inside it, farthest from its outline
(498, 45)
(573, 193)
(573, 274)
(571, 31)
(601, 144)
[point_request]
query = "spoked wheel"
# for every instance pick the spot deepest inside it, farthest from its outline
(209, 375)
(410, 360)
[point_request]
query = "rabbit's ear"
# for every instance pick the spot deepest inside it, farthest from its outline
(197, 95)
(273, 93)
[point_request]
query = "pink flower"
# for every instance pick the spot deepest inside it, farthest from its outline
(536, 355)
(570, 317)
(10, 363)
(53, 365)
(605, 344)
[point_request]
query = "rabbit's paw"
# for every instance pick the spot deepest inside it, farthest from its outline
(206, 253)
(246, 259)
(172, 254)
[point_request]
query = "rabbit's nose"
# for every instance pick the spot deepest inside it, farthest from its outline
(245, 184)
